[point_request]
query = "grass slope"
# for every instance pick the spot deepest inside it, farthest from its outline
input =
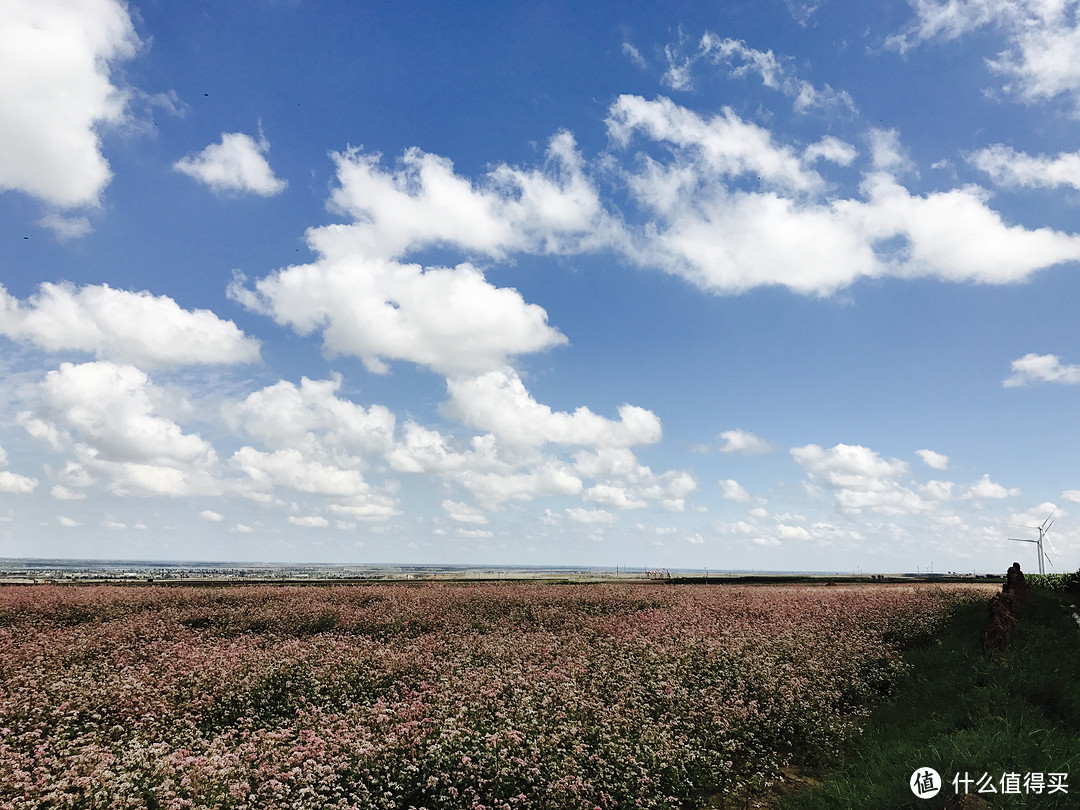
(966, 710)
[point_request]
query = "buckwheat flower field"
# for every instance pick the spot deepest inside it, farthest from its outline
(437, 696)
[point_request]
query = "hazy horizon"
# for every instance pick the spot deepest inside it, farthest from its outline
(759, 286)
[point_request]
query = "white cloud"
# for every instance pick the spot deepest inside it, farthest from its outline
(492, 472)
(211, 516)
(1010, 168)
(1033, 368)
(236, 164)
(703, 222)
(498, 402)
(463, 513)
(67, 523)
(938, 461)
(56, 93)
(732, 490)
(862, 479)
(1040, 62)
(623, 482)
(680, 71)
(62, 493)
(110, 416)
(847, 466)
(831, 149)
(291, 469)
(309, 521)
(722, 146)
(17, 484)
(984, 488)
(744, 442)
(123, 326)
(473, 534)
(790, 532)
(591, 516)
(66, 227)
(311, 418)
(774, 73)
(740, 60)
(370, 304)
(424, 202)
(634, 55)
(449, 319)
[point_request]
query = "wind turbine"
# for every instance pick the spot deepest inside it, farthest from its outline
(1043, 528)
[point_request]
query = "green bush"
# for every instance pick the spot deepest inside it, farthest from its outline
(1069, 583)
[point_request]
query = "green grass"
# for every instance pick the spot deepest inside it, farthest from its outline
(964, 709)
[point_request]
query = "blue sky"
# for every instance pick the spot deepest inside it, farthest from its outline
(784, 286)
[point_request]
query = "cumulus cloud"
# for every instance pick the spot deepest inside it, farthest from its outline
(369, 303)
(449, 319)
(289, 468)
(744, 442)
(237, 164)
(623, 482)
(1043, 40)
(937, 461)
(463, 513)
(56, 93)
(126, 327)
(1013, 169)
(732, 490)
(11, 482)
(732, 209)
(309, 521)
(113, 418)
(863, 479)
(66, 227)
(424, 202)
(591, 516)
(984, 488)
(311, 418)
(210, 516)
(832, 149)
(492, 472)
(1035, 368)
(499, 403)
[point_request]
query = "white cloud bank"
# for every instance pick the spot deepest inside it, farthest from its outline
(369, 303)
(237, 164)
(56, 92)
(12, 482)
(499, 403)
(1036, 368)
(119, 427)
(744, 442)
(126, 327)
(1040, 61)
(937, 461)
(862, 479)
(731, 209)
(1010, 168)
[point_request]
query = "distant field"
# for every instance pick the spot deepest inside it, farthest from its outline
(495, 695)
